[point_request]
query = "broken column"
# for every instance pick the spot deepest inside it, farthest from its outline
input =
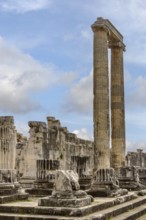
(66, 192)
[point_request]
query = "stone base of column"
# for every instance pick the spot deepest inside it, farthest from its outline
(106, 184)
(66, 192)
(41, 188)
(8, 182)
(129, 178)
(11, 192)
(75, 200)
(26, 181)
(10, 189)
(85, 182)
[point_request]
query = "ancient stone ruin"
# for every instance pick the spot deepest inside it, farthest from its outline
(61, 172)
(66, 192)
(51, 147)
(9, 187)
(107, 36)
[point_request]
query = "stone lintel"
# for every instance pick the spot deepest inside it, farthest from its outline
(117, 44)
(114, 34)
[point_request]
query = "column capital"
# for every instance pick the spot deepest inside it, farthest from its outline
(117, 44)
(100, 24)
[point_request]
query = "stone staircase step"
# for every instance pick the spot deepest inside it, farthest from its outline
(32, 208)
(132, 214)
(118, 211)
(10, 216)
(102, 210)
(143, 217)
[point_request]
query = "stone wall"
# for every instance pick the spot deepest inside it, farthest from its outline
(36, 148)
(7, 142)
(21, 148)
(136, 158)
(72, 152)
(48, 143)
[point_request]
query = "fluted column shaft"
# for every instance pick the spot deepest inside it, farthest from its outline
(101, 98)
(117, 106)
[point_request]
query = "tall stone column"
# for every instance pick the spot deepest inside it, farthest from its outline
(117, 105)
(101, 96)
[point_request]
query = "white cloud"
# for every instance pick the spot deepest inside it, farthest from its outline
(83, 133)
(20, 74)
(80, 97)
(22, 6)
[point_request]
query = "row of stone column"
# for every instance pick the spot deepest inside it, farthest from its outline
(104, 102)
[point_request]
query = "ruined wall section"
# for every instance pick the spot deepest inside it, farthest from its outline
(80, 155)
(136, 158)
(36, 149)
(21, 148)
(71, 152)
(7, 142)
(56, 141)
(50, 144)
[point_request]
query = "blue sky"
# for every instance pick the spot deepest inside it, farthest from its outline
(46, 59)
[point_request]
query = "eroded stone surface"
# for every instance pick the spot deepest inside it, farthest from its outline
(66, 192)
(51, 147)
(7, 143)
(105, 36)
(66, 181)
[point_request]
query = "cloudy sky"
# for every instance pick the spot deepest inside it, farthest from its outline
(46, 59)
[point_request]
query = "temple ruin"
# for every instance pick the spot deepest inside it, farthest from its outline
(51, 147)
(53, 174)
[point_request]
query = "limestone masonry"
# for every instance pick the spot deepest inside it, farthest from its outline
(55, 175)
(51, 143)
(107, 36)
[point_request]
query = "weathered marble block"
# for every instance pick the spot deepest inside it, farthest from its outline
(66, 192)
